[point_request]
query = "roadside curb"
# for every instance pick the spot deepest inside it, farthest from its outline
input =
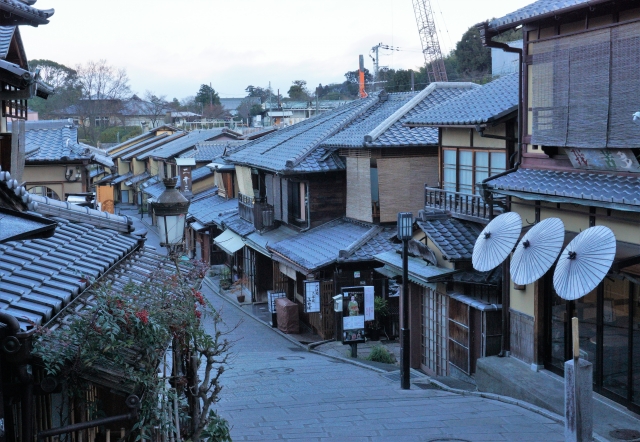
(311, 349)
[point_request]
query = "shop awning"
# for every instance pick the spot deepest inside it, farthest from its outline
(420, 272)
(197, 226)
(229, 242)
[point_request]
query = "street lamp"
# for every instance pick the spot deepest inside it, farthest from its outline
(171, 210)
(405, 233)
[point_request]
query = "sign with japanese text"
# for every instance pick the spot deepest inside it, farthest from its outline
(272, 300)
(185, 179)
(311, 296)
(619, 160)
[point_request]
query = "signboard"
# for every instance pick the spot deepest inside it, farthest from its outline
(272, 299)
(620, 160)
(311, 296)
(185, 179)
(357, 305)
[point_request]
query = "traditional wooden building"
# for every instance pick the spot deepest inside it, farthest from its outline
(578, 162)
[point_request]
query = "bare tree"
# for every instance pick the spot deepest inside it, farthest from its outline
(156, 106)
(103, 91)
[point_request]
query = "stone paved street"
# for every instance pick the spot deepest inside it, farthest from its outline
(276, 390)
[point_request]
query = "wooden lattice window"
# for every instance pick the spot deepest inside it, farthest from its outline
(13, 108)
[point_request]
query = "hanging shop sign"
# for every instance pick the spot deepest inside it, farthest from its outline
(272, 300)
(311, 296)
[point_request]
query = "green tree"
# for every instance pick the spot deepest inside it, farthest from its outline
(474, 60)
(207, 96)
(298, 91)
(65, 82)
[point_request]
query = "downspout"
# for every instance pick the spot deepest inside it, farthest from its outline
(505, 344)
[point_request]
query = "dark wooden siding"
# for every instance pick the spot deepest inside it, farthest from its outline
(327, 196)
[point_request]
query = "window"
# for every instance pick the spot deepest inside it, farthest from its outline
(298, 203)
(463, 169)
(44, 191)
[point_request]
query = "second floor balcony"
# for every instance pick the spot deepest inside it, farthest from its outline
(460, 205)
(256, 211)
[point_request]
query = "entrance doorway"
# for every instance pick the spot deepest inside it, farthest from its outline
(609, 319)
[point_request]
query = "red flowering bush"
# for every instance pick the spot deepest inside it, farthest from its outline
(142, 319)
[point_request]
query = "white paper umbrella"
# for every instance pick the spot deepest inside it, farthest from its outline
(584, 262)
(496, 241)
(537, 251)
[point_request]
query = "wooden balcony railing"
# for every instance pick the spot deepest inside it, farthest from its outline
(256, 211)
(460, 205)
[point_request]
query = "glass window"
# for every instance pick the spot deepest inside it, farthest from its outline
(482, 167)
(466, 172)
(449, 171)
(498, 162)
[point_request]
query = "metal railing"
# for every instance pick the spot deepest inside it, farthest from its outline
(460, 205)
(256, 211)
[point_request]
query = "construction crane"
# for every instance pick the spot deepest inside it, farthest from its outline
(434, 63)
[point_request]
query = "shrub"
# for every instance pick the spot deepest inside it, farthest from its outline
(380, 353)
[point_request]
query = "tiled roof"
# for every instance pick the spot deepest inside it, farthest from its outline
(16, 225)
(39, 277)
(180, 145)
(492, 277)
(204, 194)
(53, 141)
(383, 124)
(6, 35)
(74, 212)
(201, 173)
(147, 145)
(538, 10)
(209, 150)
(137, 178)
(479, 106)
(154, 189)
(321, 246)
(238, 225)
(379, 243)
(453, 237)
(602, 190)
(213, 210)
(22, 13)
(297, 147)
(122, 178)
(260, 240)
(143, 136)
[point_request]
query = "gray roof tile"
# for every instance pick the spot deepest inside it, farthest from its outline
(178, 146)
(321, 246)
(453, 237)
(397, 134)
(40, 276)
(297, 147)
(238, 225)
(209, 150)
(537, 10)
(6, 35)
(600, 190)
(213, 210)
(53, 141)
(478, 106)
(201, 173)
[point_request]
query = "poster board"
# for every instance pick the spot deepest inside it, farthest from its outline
(357, 305)
(272, 299)
(312, 296)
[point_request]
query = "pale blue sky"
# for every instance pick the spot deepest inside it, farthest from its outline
(172, 46)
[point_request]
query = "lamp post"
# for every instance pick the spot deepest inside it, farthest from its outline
(405, 232)
(171, 213)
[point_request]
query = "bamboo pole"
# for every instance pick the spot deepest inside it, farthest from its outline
(576, 366)
(108, 435)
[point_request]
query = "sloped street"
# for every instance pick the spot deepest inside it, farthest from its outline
(276, 390)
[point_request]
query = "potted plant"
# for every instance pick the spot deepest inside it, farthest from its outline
(238, 288)
(380, 312)
(225, 278)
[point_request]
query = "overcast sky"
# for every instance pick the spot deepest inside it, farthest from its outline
(171, 47)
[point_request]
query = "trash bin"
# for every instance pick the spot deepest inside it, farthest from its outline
(287, 315)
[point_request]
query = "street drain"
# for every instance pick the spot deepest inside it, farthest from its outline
(274, 370)
(625, 434)
(290, 358)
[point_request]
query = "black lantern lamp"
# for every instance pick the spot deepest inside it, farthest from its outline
(405, 233)
(170, 210)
